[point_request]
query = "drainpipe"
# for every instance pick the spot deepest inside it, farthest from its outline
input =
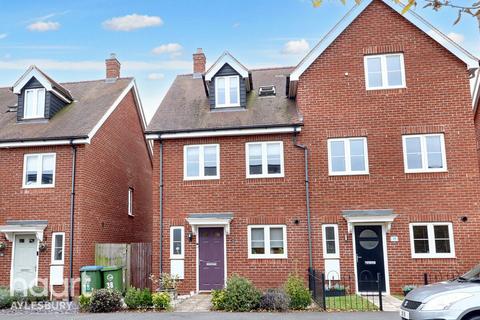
(72, 219)
(307, 198)
(161, 206)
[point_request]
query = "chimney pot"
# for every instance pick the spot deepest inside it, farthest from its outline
(199, 62)
(112, 67)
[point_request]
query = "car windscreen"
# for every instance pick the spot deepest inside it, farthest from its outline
(473, 274)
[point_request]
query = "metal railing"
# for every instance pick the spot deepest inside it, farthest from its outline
(339, 292)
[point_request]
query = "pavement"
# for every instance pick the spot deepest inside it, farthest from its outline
(196, 303)
(209, 316)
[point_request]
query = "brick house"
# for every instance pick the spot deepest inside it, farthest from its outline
(74, 162)
(374, 119)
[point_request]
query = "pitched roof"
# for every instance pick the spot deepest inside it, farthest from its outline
(226, 57)
(470, 60)
(93, 101)
(186, 107)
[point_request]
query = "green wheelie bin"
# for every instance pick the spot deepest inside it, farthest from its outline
(90, 279)
(113, 278)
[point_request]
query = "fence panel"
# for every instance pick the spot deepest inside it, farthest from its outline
(140, 265)
(114, 254)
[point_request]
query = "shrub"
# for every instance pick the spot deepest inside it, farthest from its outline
(299, 294)
(105, 300)
(161, 300)
(241, 295)
(84, 303)
(218, 299)
(6, 299)
(275, 300)
(137, 298)
(37, 294)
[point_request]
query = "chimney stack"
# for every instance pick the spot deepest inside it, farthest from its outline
(112, 67)
(199, 62)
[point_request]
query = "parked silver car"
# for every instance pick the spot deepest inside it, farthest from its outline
(458, 299)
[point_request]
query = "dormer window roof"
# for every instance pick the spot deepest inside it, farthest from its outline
(47, 83)
(226, 58)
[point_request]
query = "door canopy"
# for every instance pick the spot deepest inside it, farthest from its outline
(381, 216)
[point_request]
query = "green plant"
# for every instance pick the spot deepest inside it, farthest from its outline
(84, 303)
(105, 300)
(6, 298)
(218, 299)
(161, 300)
(241, 295)
(165, 282)
(137, 298)
(275, 300)
(300, 297)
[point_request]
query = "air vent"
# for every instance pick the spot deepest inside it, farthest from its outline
(266, 91)
(12, 108)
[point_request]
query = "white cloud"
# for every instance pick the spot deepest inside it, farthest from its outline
(174, 49)
(91, 65)
(296, 47)
(3, 35)
(156, 76)
(457, 37)
(132, 22)
(236, 25)
(42, 26)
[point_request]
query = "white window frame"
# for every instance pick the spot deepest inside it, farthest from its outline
(62, 261)
(130, 201)
(201, 162)
(326, 255)
(39, 172)
(41, 114)
(431, 241)
(423, 146)
(172, 254)
(264, 173)
(383, 63)
(348, 165)
(266, 232)
(227, 103)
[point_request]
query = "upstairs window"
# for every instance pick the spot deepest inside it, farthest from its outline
(39, 170)
(264, 159)
(130, 201)
(201, 162)
(432, 240)
(227, 91)
(347, 156)
(385, 71)
(34, 105)
(424, 153)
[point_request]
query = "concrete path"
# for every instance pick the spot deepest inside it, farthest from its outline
(196, 303)
(390, 303)
(210, 316)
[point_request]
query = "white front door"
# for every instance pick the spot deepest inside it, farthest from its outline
(24, 266)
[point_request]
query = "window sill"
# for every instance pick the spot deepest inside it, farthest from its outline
(264, 176)
(201, 178)
(250, 257)
(426, 171)
(386, 88)
(434, 256)
(38, 187)
(343, 174)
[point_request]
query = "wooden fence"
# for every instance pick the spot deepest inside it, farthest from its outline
(135, 259)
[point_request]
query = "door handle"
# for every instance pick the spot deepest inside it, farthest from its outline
(358, 257)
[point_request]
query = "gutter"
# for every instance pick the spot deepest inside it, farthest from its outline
(72, 221)
(307, 200)
(161, 206)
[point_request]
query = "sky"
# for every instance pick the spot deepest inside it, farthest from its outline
(154, 39)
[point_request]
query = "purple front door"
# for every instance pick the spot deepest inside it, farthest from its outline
(211, 258)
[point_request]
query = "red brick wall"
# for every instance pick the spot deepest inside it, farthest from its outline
(116, 159)
(252, 201)
(436, 99)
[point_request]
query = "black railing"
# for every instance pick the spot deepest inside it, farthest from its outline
(339, 292)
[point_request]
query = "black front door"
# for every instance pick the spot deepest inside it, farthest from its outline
(370, 259)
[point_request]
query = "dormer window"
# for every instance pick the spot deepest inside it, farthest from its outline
(227, 91)
(34, 105)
